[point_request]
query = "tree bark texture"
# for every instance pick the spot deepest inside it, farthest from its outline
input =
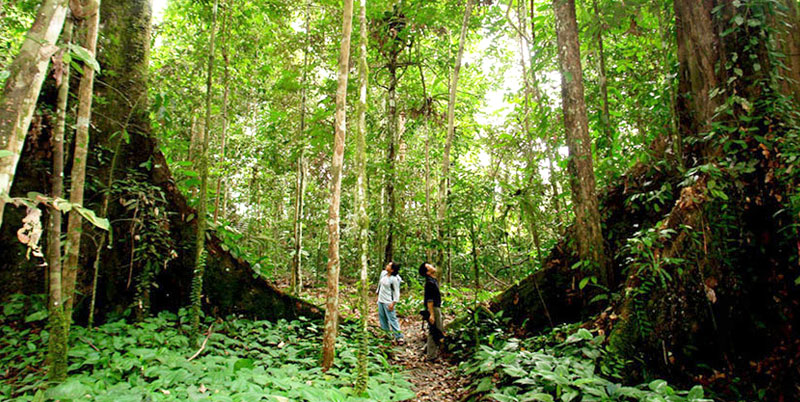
(698, 53)
(78, 174)
(391, 161)
(332, 298)
(789, 44)
(587, 216)
(21, 90)
(444, 183)
(361, 201)
(58, 341)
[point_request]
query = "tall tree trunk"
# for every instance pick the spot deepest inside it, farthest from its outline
(531, 165)
(361, 202)
(26, 74)
(698, 53)
(78, 174)
(297, 258)
(57, 344)
(582, 181)
(296, 284)
(428, 218)
(202, 208)
(789, 37)
(224, 131)
(537, 98)
(332, 299)
(476, 272)
(444, 184)
(605, 116)
(391, 161)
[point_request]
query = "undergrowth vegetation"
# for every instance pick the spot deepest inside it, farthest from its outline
(243, 360)
(568, 363)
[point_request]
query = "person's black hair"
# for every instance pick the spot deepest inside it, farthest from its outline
(396, 268)
(423, 270)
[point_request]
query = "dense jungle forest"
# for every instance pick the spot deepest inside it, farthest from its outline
(391, 200)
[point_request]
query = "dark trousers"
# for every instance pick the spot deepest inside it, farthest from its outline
(432, 347)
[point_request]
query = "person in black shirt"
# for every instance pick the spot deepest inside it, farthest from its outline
(433, 304)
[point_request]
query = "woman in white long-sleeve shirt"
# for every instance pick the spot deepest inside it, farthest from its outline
(388, 296)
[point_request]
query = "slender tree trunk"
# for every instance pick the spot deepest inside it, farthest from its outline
(297, 258)
(108, 236)
(428, 218)
(391, 161)
(361, 202)
(332, 302)
(202, 208)
(475, 268)
(605, 117)
(537, 98)
(531, 165)
(194, 139)
(219, 193)
(451, 107)
(587, 214)
(26, 74)
(57, 344)
(78, 174)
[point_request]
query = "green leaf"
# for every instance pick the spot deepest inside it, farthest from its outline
(90, 216)
(70, 389)
(5, 153)
(62, 205)
(536, 396)
(37, 316)
(243, 364)
(657, 385)
(83, 54)
(515, 372)
(404, 394)
(695, 394)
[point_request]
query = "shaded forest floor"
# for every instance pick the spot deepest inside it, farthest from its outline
(433, 381)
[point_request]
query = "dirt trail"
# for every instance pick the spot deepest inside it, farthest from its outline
(433, 381)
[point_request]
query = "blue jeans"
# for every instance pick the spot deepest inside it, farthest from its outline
(388, 320)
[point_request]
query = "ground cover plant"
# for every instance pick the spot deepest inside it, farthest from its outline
(566, 364)
(243, 360)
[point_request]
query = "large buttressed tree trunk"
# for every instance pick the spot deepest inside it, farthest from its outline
(727, 243)
(127, 150)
